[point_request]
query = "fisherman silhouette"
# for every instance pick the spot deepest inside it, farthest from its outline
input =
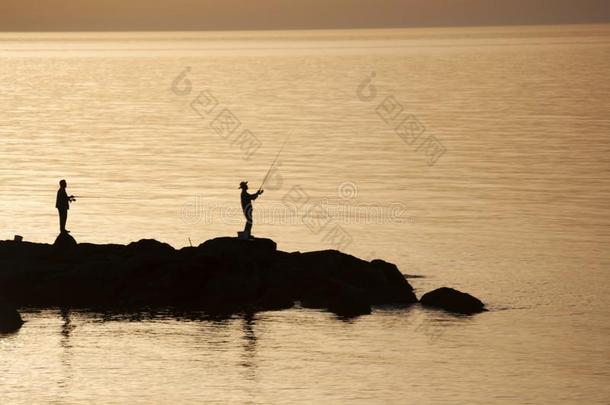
(62, 203)
(246, 206)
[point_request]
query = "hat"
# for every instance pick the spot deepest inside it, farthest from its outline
(243, 184)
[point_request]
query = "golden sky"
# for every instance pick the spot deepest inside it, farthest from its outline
(124, 15)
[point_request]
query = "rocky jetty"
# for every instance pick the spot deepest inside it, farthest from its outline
(453, 301)
(220, 275)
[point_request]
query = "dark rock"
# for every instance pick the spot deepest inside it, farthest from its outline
(221, 275)
(233, 286)
(315, 299)
(338, 297)
(224, 246)
(396, 288)
(453, 301)
(382, 282)
(10, 320)
(64, 242)
(150, 248)
(274, 299)
(93, 251)
(348, 301)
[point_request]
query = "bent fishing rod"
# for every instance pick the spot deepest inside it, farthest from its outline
(274, 162)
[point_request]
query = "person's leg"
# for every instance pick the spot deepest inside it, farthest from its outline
(63, 217)
(248, 213)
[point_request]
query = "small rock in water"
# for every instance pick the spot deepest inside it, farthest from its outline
(452, 300)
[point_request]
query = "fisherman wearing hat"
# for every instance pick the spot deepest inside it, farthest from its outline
(246, 206)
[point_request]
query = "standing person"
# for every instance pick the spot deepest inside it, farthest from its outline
(246, 206)
(62, 203)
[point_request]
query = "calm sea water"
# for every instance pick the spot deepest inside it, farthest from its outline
(515, 211)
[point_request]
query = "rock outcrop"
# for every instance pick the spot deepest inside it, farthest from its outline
(220, 275)
(64, 242)
(453, 301)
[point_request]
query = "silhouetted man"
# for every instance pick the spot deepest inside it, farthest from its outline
(246, 206)
(62, 203)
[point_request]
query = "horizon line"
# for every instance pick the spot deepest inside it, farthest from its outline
(380, 28)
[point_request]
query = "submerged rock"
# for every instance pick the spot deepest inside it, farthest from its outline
(452, 300)
(10, 320)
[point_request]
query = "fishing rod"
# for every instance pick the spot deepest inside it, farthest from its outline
(106, 197)
(274, 162)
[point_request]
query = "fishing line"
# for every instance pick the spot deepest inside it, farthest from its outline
(274, 162)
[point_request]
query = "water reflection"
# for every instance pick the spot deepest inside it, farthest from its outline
(66, 328)
(430, 323)
(249, 346)
(66, 355)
